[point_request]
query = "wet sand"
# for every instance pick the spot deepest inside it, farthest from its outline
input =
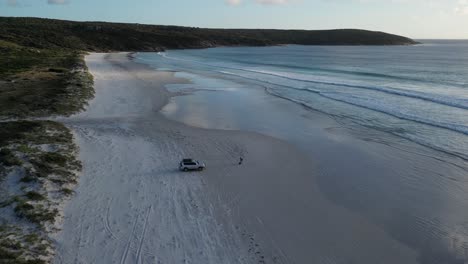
(132, 205)
(416, 194)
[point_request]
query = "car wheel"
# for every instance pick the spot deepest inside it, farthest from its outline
(185, 169)
(200, 169)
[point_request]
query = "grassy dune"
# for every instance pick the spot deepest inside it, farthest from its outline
(41, 82)
(38, 165)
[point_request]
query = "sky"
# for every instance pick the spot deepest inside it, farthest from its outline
(418, 19)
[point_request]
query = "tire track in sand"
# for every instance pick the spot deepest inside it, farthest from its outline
(107, 223)
(108, 228)
(142, 239)
(127, 247)
(80, 245)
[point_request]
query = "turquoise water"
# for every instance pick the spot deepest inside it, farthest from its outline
(386, 126)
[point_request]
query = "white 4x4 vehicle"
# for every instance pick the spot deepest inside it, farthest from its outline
(190, 164)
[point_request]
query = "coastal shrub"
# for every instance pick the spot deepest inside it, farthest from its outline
(54, 158)
(36, 82)
(42, 169)
(58, 70)
(23, 148)
(28, 178)
(35, 196)
(36, 214)
(49, 82)
(69, 35)
(8, 256)
(67, 191)
(32, 238)
(22, 246)
(10, 244)
(23, 208)
(17, 132)
(34, 261)
(8, 158)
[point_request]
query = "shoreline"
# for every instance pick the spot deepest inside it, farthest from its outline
(358, 168)
(408, 190)
(270, 204)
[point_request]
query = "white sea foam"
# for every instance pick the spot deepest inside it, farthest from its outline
(431, 97)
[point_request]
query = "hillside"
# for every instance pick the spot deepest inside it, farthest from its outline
(101, 36)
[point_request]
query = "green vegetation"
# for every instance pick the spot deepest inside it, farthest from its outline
(67, 191)
(25, 133)
(21, 247)
(25, 137)
(36, 213)
(100, 36)
(7, 158)
(37, 82)
(42, 82)
(45, 153)
(17, 58)
(34, 196)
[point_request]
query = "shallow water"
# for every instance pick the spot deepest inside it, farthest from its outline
(397, 114)
(416, 92)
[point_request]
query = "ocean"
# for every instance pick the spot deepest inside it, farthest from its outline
(416, 92)
(399, 113)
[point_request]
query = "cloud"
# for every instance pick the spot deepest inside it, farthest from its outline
(233, 2)
(18, 3)
(272, 2)
(262, 2)
(461, 8)
(12, 2)
(57, 2)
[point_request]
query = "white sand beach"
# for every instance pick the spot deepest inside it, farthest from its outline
(132, 205)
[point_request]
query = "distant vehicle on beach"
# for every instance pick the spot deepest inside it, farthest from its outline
(191, 164)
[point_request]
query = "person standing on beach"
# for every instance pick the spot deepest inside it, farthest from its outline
(241, 160)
